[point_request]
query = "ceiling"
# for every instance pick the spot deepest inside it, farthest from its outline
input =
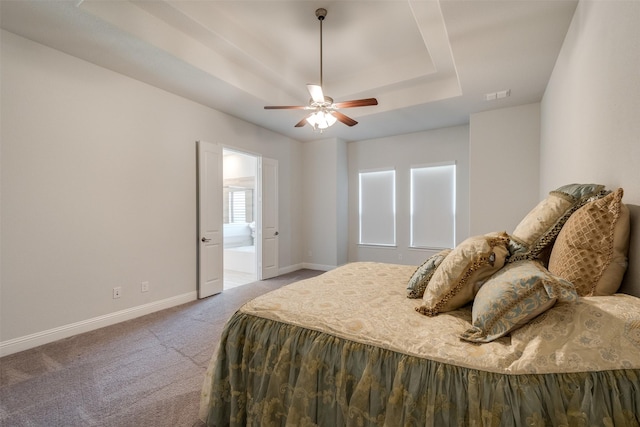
(429, 63)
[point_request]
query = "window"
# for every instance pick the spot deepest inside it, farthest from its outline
(238, 205)
(377, 208)
(433, 206)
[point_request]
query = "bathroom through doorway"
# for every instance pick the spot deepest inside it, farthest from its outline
(240, 172)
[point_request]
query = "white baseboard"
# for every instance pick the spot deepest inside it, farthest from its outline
(303, 265)
(39, 338)
(289, 269)
(320, 267)
(296, 267)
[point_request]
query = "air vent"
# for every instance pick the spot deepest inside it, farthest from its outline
(497, 95)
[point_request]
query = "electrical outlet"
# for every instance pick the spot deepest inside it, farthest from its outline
(144, 287)
(117, 292)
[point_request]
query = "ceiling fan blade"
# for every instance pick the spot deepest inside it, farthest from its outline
(344, 119)
(284, 107)
(316, 93)
(302, 122)
(357, 103)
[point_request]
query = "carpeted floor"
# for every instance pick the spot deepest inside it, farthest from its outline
(143, 372)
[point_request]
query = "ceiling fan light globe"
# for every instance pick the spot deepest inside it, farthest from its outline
(312, 120)
(321, 120)
(330, 119)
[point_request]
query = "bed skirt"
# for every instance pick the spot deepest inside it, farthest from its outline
(269, 373)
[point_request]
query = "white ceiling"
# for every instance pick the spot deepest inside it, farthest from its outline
(429, 63)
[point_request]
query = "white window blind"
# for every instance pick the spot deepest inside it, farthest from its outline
(237, 207)
(377, 208)
(433, 206)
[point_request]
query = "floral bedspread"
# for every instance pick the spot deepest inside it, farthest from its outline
(366, 303)
(347, 348)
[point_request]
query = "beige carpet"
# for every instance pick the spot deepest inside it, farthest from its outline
(143, 372)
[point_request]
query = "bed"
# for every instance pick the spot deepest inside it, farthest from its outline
(350, 348)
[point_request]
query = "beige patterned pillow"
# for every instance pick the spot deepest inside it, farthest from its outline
(539, 228)
(460, 275)
(422, 275)
(591, 250)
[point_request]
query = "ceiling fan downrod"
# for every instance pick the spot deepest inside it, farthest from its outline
(321, 13)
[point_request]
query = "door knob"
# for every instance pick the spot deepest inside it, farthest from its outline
(204, 239)
(276, 233)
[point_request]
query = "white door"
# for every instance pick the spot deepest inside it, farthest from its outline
(268, 227)
(210, 228)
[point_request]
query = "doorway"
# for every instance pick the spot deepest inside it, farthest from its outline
(259, 222)
(240, 202)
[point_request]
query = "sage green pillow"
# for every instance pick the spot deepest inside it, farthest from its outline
(422, 275)
(512, 297)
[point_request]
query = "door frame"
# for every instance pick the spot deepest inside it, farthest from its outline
(262, 271)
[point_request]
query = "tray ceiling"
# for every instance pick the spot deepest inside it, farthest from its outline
(429, 63)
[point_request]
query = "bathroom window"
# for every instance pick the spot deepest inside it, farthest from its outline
(377, 207)
(239, 207)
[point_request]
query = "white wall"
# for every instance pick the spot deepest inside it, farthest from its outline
(402, 152)
(342, 194)
(590, 128)
(324, 203)
(238, 165)
(504, 167)
(98, 190)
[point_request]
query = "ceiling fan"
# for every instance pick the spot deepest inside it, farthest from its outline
(324, 112)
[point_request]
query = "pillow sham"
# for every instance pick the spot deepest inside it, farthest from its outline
(422, 275)
(539, 228)
(512, 297)
(457, 279)
(591, 249)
